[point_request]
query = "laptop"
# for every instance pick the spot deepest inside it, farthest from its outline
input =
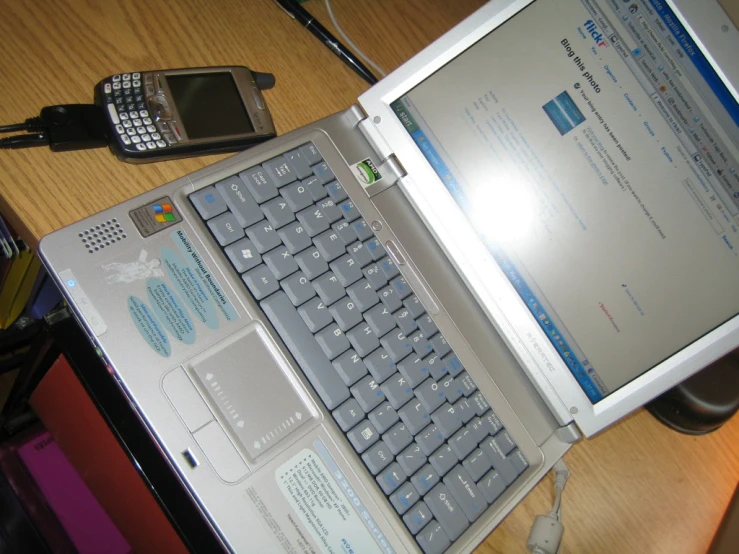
(378, 332)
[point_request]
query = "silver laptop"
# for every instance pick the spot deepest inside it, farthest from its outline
(378, 332)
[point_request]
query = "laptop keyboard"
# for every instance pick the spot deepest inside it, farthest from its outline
(364, 341)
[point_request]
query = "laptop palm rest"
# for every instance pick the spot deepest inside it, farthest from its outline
(249, 386)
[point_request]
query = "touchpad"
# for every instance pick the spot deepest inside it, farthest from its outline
(249, 386)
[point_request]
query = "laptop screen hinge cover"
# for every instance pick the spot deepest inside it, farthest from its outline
(569, 433)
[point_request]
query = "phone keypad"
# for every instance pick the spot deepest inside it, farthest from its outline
(127, 92)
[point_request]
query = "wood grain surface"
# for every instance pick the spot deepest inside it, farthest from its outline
(637, 488)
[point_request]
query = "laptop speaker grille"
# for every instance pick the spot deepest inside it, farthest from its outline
(103, 235)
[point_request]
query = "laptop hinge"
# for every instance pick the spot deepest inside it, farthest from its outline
(389, 167)
(569, 433)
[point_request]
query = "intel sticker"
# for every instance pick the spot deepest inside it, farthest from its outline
(366, 172)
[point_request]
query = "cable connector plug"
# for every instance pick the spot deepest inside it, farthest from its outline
(75, 127)
(546, 533)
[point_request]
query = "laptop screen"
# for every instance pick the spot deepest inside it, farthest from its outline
(594, 150)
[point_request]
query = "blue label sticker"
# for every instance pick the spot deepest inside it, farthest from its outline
(204, 275)
(170, 310)
(147, 324)
(190, 288)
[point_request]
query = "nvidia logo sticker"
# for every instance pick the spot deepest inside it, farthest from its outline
(366, 172)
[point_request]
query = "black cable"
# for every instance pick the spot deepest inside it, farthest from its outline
(31, 124)
(24, 141)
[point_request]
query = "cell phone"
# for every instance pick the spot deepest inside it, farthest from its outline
(176, 113)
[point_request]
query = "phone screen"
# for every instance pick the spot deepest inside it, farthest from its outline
(209, 105)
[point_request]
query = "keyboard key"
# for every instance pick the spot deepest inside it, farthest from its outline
(345, 313)
(466, 493)
(363, 339)
(239, 200)
(519, 462)
(362, 230)
(330, 245)
(333, 341)
(363, 436)
(363, 296)
(492, 422)
(259, 185)
(416, 308)
(414, 416)
(463, 443)
(451, 391)
(480, 403)
(390, 298)
(389, 269)
(351, 369)
(310, 152)
(208, 202)
(443, 459)
(368, 393)
(311, 262)
(345, 232)
(427, 325)
(348, 414)
(330, 209)
(491, 486)
(298, 288)
(417, 518)
(391, 478)
(243, 255)
(432, 539)
(360, 253)
(377, 457)
(314, 220)
(502, 464)
(453, 364)
(378, 317)
(447, 511)
(336, 191)
(315, 188)
(437, 367)
(504, 440)
(404, 498)
(430, 394)
(375, 276)
(402, 287)
(477, 464)
(294, 237)
(315, 314)
(429, 439)
(280, 262)
(397, 390)
(380, 365)
(447, 420)
(376, 250)
(411, 459)
(405, 321)
(261, 282)
(306, 351)
(280, 171)
(425, 479)
(346, 269)
(328, 288)
(278, 212)
(466, 386)
(420, 345)
(441, 347)
(349, 210)
(478, 428)
(323, 172)
(383, 417)
(396, 344)
(299, 162)
(264, 236)
(464, 410)
(226, 228)
(414, 370)
(398, 437)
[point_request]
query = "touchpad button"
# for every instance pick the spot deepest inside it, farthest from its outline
(248, 383)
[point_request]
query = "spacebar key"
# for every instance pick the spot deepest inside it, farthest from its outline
(304, 348)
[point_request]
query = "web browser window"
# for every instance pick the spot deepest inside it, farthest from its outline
(598, 161)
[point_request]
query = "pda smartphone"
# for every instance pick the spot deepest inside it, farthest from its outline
(175, 113)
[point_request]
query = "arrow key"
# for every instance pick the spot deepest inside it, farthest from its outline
(417, 518)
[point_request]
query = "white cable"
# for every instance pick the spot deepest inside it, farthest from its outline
(365, 58)
(545, 536)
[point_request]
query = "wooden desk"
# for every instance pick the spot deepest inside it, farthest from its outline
(637, 488)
